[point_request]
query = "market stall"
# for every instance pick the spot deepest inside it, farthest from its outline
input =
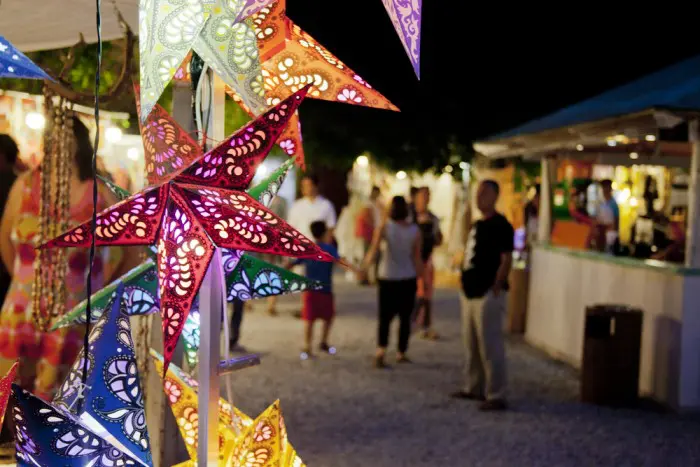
(643, 126)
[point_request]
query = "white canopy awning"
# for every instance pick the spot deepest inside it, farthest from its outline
(51, 24)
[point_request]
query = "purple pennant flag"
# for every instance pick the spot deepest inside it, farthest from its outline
(14, 64)
(406, 16)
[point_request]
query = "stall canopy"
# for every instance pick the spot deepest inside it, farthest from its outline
(50, 24)
(660, 100)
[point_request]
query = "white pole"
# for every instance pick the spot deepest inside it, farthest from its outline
(692, 252)
(211, 303)
(544, 232)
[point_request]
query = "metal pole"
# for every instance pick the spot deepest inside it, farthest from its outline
(211, 306)
(211, 302)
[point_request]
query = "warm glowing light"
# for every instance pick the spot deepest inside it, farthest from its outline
(634, 202)
(133, 154)
(624, 195)
(113, 134)
(463, 165)
(448, 169)
(650, 138)
(579, 147)
(620, 138)
(401, 175)
(35, 120)
(612, 142)
(634, 155)
(362, 161)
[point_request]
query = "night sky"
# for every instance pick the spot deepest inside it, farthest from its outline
(484, 72)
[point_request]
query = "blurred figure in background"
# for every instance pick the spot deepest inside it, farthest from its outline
(45, 357)
(8, 159)
(367, 220)
(532, 213)
(431, 236)
(279, 207)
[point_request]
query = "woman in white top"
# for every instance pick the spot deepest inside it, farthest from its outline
(399, 265)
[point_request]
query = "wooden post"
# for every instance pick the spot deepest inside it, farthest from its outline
(211, 302)
(692, 252)
(544, 232)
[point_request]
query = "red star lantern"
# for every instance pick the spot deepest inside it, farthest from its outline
(6, 389)
(197, 207)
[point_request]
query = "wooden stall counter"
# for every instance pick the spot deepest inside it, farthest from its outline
(563, 282)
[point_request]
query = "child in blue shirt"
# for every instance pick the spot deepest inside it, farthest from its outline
(319, 303)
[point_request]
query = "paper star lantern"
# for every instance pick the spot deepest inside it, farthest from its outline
(264, 443)
(48, 436)
(406, 17)
(290, 141)
(188, 217)
(170, 29)
(112, 403)
(181, 393)
(291, 59)
(140, 293)
(5, 389)
(14, 64)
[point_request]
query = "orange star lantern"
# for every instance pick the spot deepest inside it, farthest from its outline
(291, 59)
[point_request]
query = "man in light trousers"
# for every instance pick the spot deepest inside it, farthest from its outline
(486, 264)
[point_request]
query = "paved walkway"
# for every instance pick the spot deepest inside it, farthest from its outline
(342, 412)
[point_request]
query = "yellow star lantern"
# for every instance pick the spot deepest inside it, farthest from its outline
(181, 391)
(264, 443)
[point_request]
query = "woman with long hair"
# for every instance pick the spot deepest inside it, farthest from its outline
(400, 264)
(45, 357)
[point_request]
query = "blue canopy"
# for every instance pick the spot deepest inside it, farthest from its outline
(675, 88)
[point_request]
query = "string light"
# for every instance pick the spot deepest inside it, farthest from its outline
(362, 161)
(579, 147)
(634, 155)
(650, 138)
(401, 175)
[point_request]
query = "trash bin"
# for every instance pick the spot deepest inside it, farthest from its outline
(611, 354)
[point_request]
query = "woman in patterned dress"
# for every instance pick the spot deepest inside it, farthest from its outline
(45, 357)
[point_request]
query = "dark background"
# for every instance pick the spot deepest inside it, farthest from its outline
(486, 67)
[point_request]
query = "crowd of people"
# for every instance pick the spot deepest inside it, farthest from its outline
(398, 240)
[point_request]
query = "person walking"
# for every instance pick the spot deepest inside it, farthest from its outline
(399, 265)
(311, 207)
(431, 235)
(487, 262)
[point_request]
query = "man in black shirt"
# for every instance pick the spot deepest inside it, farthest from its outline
(487, 262)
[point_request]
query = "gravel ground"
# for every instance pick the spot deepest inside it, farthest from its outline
(342, 412)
